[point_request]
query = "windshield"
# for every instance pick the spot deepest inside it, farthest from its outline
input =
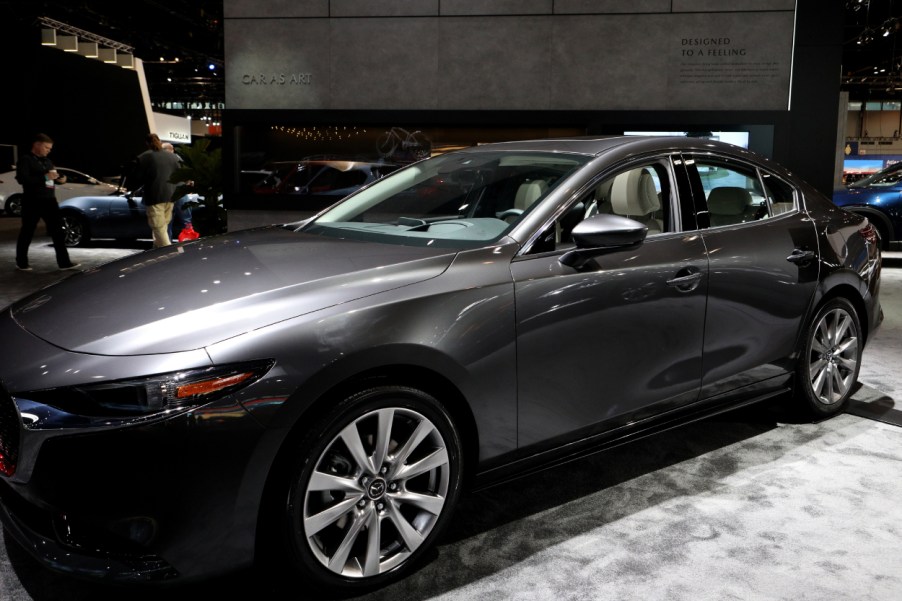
(458, 200)
(887, 177)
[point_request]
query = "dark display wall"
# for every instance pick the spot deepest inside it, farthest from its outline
(93, 111)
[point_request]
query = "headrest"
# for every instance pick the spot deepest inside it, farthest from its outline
(728, 200)
(634, 193)
(528, 193)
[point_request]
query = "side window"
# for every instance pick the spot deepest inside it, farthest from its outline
(641, 193)
(780, 195)
(733, 192)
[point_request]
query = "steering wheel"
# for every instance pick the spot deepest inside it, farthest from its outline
(510, 215)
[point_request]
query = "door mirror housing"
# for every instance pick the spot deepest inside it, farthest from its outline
(600, 234)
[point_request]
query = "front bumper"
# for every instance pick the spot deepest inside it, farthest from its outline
(36, 530)
(177, 499)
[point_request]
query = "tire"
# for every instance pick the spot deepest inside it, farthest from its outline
(13, 205)
(389, 456)
(831, 358)
(76, 231)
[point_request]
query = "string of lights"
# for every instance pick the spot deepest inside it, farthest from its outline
(321, 133)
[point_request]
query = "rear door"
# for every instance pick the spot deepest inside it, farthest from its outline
(763, 273)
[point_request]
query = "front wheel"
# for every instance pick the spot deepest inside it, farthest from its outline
(374, 484)
(831, 358)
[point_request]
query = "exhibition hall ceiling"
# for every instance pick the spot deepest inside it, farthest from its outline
(872, 49)
(179, 41)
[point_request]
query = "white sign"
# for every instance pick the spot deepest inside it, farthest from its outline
(173, 129)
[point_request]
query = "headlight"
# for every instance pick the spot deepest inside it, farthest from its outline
(150, 394)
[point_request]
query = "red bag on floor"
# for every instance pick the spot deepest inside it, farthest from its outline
(188, 233)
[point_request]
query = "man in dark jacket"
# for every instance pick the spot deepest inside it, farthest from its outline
(155, 167)
(39, 179)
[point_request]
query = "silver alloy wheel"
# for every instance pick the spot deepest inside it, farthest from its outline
(73, 230)
(834, 355)
(376, 492)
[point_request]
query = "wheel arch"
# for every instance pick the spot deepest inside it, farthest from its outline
(425, 378)
(879, 219)
(851, 293)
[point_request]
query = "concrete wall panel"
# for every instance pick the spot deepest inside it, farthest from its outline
(462, 8)
(731, 5)
(686, 62)
(639, 61)
(503, 62)
(601, 7)
(384, 8)
(275, 8)
(278, 63)
(384, 63)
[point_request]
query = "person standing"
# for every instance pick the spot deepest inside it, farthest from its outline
(155, 167)
(39, 178)
(181, 215)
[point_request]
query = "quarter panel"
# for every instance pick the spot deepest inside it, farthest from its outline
(757, 300)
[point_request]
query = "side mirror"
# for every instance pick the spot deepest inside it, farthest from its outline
(600, 234)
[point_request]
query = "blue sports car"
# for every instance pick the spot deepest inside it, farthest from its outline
(121, 216)
(879, 198)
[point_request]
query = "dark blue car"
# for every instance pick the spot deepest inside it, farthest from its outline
(879, 198)
(120, 216)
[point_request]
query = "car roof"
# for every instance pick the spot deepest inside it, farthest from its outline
(596, 145)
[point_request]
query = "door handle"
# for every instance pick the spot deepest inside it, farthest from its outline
(801, 256)
(687, 282)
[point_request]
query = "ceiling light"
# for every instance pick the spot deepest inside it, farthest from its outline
(88, 49)
(48, 37)
(107, 55)
(69, 43)
(125, 60)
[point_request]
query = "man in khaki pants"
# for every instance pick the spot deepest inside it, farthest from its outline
(155, 167)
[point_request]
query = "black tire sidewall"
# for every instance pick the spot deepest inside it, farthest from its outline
(810, 400)
(80, 222)
(305, 566)
(11, 203)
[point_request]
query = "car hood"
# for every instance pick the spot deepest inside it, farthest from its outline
(188, 296)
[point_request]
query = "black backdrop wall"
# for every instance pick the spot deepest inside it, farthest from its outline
(93, 111)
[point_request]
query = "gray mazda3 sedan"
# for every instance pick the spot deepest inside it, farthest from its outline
(319, 393)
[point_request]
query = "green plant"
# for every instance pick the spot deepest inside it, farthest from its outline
(201, 172)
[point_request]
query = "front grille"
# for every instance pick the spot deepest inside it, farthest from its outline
(9, 433)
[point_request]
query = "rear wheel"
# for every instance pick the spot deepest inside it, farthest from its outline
(13, 205)
(374, 484)
(831, 358)
(75, 230)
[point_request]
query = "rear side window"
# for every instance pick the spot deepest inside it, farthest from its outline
(736, 193)
(733, 192)
(780, 195)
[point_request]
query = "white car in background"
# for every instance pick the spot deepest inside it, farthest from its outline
(77, 184)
